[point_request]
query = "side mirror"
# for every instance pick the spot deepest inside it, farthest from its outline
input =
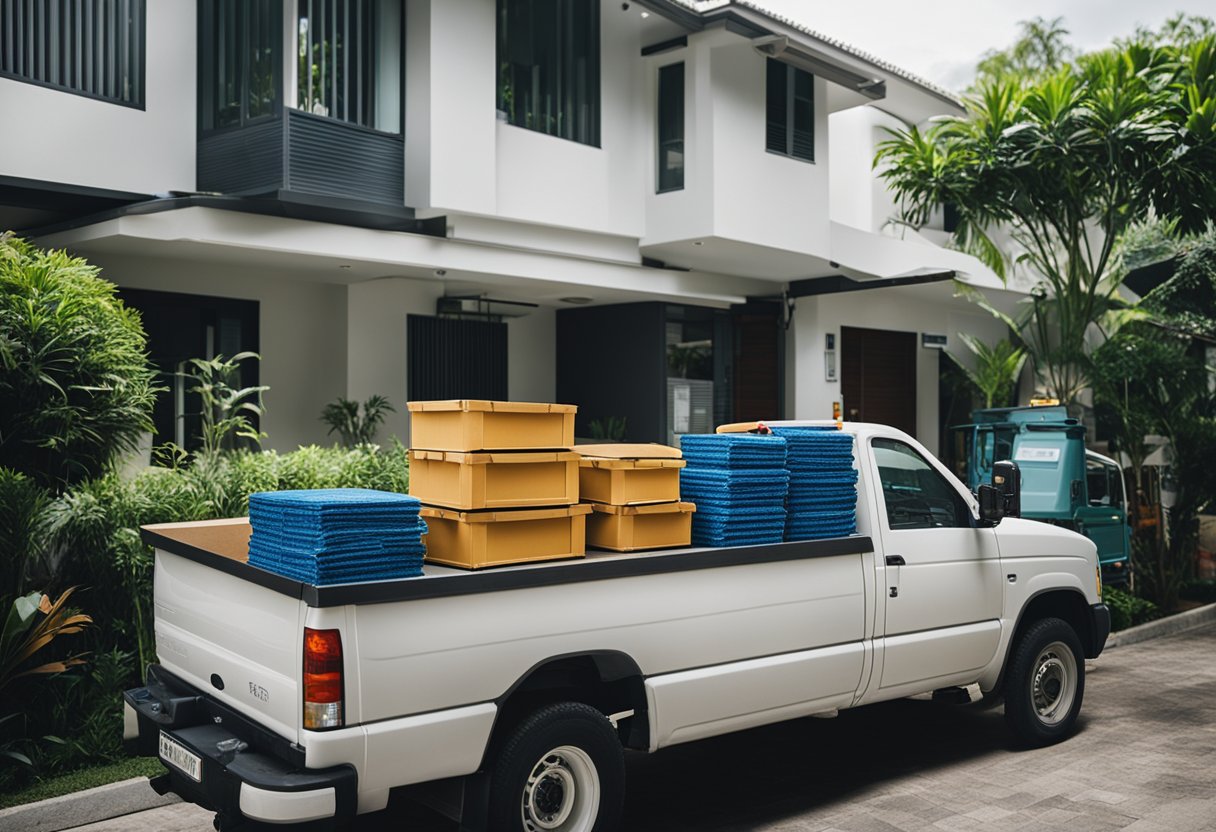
(992, 504)
(1007, 479)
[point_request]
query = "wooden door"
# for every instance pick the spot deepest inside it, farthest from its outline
(757, 390)
(878, 377)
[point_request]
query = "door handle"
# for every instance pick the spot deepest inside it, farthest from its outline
(896, 560)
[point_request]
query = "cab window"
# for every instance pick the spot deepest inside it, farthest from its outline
(916, 495)
(1104, 483)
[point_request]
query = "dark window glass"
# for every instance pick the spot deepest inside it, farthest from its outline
(336, 74)
(671, 128)
(916, 495)
(549, 66)
(790, 111)
(239, 49)
(89, 47)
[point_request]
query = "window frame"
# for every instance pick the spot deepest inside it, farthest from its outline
(789, 106)
(137, 35)
(593, 105)
(964, 502)
(662, 143)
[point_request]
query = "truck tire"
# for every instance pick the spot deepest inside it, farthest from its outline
(561, 770)
(1045, 683)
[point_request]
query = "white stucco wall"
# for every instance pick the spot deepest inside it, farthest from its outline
(532, 356)
(890, 309)
(734, 188)
(301, 334)
(56, 136)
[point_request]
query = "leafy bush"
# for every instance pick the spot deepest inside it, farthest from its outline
(1201, 590)
(356, 424)
(22, 504)
(76, 388)
(1126, 610)
(228, 410)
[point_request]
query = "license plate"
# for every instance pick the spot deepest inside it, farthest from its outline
(180, 757)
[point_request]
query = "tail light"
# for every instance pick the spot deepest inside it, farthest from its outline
(322, 678)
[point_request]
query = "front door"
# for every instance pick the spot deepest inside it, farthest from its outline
(878, 377)
(757, 377)
(941, 577)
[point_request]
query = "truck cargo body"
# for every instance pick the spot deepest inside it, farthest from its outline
(669, 646)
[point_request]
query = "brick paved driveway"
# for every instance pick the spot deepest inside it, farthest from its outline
(1144, 760)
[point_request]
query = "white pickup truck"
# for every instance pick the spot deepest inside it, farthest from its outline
(518, 689)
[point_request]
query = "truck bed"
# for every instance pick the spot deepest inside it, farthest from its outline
(221, 545)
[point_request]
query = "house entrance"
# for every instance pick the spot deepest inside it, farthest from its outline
(878, 377)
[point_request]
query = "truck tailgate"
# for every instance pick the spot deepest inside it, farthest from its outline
(236, 640)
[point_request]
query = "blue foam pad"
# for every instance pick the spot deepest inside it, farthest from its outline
(733, 450)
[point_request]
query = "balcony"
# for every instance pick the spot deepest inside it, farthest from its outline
(301, 154)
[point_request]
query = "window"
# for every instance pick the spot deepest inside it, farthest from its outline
(671, 128)
(916, 495)
(549, 67)
(239, 62)
(1104, 483)
(790, 111)
(348, 61)
(89, 47)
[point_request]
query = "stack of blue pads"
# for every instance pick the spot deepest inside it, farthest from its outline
(739, 483)
(823, 483)
(336, 535)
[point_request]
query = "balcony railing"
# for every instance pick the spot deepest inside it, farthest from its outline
(302, 153)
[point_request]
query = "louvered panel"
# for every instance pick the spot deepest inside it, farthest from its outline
(242, 160)
(333, 158)
(456, 359)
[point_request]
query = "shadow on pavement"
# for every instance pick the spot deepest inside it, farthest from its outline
(765, 775)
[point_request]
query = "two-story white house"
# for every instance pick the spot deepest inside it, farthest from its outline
(662, 211)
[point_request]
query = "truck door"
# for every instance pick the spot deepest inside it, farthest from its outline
(942, 578)
(1102, 517)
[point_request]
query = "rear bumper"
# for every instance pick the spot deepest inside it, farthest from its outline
(1099, 621)
(250, 777)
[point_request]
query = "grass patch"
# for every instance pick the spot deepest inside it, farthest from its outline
(85, 778)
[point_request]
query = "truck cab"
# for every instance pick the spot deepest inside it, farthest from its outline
(1063, 483)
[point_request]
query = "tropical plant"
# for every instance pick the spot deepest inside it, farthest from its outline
(1127, 610)
(1042, 46)
(32, 623)
(997, 368)
(76, 388)
(608, 429)
(1148, 379)
(1063, 164)
(22, 506)
(228, 410)
(356, 424)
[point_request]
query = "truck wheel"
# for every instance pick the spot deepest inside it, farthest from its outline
(561, 770)
(1045, 683)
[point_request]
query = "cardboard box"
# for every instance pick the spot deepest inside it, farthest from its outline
(633, 528)
(624, 482)
(477, 539)
(471, 425)
(513, 479)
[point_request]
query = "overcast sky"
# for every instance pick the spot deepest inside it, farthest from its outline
(942, 39)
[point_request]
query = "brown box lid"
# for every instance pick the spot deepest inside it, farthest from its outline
(631, 464)
(650, 508)
(507, 515)
(486, 457)
(623, 450)
(470, 405)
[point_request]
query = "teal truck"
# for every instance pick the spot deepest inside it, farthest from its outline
(1063, 483)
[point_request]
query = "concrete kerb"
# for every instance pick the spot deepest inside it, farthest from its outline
(88, 806)
(1163, 626)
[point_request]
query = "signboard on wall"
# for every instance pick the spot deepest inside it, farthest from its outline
(934, 341)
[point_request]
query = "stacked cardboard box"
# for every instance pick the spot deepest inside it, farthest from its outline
(634, 491)
(498, 481)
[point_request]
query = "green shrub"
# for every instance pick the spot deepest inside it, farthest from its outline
(76, 388)
(1126, 610)
(22, 506)
(1201, 590)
